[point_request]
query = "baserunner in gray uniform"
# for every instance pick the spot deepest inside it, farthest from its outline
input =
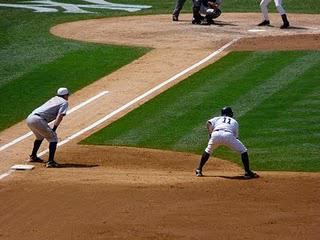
(53, 110)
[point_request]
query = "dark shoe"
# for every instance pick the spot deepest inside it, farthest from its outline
(206, 21)
(285, 21)
(285, 25)
(264, 23)
(196, 20)
(35, 159)
(199, 173)
(52, 164)
(175, 18)
(250, 174)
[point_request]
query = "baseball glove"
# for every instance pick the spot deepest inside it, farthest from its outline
(216, 13)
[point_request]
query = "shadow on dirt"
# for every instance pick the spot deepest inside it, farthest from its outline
(239, 177)
(221, 23)
(77, 165)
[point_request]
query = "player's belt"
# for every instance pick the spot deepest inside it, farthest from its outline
(37, 114)
(217, 130)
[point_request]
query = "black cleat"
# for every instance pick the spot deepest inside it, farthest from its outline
(52, 164)
(264, 23)
(35, 159)
(285, 25)
(206, 21)
(199, 173)
(175, 18)
(196, 21)
(250, 174)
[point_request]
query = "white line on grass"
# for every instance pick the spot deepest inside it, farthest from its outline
(137, 99)
(19, 139)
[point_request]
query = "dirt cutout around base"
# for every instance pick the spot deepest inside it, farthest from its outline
(128, 193)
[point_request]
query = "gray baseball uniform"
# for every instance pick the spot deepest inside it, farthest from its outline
(178, 7)
(38, 120)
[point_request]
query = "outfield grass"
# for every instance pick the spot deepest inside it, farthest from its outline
(275, 97)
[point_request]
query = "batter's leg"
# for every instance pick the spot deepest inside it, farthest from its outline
(282, 12)
(264, 9)
(177, 9)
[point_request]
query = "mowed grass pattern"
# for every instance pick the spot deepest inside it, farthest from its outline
(275, 97)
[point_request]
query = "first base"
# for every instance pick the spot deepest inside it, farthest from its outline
(22, 167)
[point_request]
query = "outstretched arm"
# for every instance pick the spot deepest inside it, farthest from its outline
(57, 121)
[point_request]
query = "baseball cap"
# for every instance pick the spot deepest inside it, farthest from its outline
(62, 91)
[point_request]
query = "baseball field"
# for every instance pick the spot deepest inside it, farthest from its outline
(142, 89)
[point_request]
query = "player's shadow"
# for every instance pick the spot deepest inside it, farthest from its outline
(77, 165)
(238, 177)
(299, 28)
(218, 23)
(221, 23)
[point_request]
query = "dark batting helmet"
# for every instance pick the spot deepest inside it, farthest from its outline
(226, 111)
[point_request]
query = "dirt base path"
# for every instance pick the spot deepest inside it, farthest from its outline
(127, 193)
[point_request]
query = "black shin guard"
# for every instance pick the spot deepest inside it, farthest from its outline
(36, 146)
(204, 158)
(245, 161)
(52, 151)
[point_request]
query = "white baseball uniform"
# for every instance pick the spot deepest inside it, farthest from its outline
(38, 120)
(264, 8)
(225, 132)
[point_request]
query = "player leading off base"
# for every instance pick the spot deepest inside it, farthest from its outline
(224, 130)
(52, 110)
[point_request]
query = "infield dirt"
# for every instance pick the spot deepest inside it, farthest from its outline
(126, 193)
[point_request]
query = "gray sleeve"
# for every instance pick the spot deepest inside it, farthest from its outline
(63, 109)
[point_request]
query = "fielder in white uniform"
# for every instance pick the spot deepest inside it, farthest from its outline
(264, 10)
(224, 131)
(53, 110)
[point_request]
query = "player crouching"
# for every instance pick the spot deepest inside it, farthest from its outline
(224, 131)
(209, 8)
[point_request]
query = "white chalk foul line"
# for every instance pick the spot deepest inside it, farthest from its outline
(19, 139)
(3, 175)
(137, 99)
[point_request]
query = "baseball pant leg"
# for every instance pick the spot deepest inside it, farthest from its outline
(41, 129)
(264, 9)
(178, 7)
(236, 145)
(279, 7)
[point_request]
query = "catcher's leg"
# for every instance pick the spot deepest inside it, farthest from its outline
(196, 12)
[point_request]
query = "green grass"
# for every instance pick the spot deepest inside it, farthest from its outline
(76, 69)
(30, 54)
(275, 96)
